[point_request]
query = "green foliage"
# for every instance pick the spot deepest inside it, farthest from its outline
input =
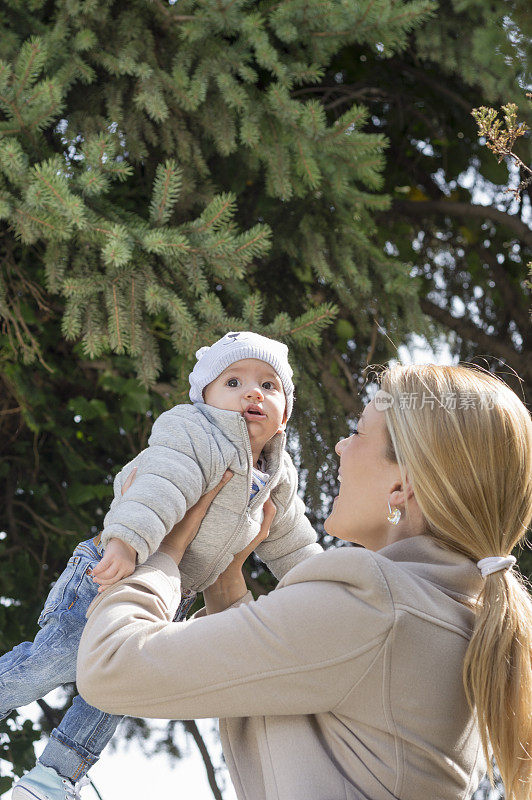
(166, 189)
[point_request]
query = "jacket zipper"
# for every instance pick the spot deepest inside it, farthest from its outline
(250, 454)
(246, 515)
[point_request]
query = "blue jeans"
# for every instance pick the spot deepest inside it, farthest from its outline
(32, 669)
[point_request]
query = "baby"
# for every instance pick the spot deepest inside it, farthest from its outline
(242, 397)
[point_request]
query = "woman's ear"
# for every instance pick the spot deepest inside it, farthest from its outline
(400, 492)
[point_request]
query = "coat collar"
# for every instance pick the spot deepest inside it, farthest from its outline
(233, 425)
(454, 573)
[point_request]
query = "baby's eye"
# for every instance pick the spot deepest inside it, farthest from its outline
(269, 385)
(233, 382)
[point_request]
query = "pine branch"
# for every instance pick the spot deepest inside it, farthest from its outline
(314, 320)
(166, 189)
(117, 318)
(366, 12)
(220, 210)
(33, 53)
(253, 310)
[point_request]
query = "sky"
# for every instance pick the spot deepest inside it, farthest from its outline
(127, 772)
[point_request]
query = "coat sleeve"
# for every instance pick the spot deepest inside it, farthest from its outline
(173, 472)
(298, 650)
(292, 538)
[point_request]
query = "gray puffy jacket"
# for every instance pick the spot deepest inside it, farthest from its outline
(190, 448)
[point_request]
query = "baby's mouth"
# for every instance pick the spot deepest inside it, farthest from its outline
(254, 413)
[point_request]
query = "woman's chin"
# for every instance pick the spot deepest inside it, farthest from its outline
(331, 527)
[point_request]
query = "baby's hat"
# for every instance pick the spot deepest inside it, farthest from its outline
(235, 346)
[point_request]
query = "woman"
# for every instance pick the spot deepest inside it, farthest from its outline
(357, 676)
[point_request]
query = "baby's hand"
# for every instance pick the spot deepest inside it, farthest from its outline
(118, 562)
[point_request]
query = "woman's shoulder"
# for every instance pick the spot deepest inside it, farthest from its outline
(414, 577)
(355, 568)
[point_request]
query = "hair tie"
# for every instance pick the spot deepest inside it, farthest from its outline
(495, 564)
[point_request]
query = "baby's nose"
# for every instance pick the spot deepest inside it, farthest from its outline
(254, 391)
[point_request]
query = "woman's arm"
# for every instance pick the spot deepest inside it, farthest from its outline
(285, 653)
(230, 586)
(292, 538)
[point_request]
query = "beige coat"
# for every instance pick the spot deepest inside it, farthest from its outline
(344, 683)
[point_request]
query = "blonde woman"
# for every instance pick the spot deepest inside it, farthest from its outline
(391, 670)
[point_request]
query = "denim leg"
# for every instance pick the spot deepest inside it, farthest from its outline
(76, 744)
(187, 600)
(32, 669)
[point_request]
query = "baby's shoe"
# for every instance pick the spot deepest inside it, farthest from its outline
(44, 783)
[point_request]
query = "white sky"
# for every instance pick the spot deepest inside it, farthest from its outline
(127, 772)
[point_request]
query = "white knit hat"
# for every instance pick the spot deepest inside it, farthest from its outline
(235, 346)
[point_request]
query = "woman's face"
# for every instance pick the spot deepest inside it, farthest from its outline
(368, 482)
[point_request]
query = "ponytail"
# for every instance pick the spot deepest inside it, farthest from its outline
(498, 679)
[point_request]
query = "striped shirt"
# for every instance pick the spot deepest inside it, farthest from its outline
(259, 478)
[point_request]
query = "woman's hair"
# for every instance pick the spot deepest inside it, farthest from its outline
(465, 440)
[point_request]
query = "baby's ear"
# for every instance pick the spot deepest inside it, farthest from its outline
(282, 426)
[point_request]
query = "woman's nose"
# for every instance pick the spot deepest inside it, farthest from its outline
(339, 446)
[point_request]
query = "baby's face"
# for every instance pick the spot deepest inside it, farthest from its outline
(251, 384)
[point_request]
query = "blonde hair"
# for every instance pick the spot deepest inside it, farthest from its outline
(470, 468)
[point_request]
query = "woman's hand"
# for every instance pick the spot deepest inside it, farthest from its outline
(176, 542)
(230, 585)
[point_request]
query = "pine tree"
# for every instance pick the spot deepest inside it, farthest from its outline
(159, 81)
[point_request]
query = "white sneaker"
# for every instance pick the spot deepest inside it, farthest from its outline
(44, 783)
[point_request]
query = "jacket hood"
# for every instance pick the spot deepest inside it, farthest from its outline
(234, 427)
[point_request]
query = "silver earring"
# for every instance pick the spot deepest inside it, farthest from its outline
(394, 516)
